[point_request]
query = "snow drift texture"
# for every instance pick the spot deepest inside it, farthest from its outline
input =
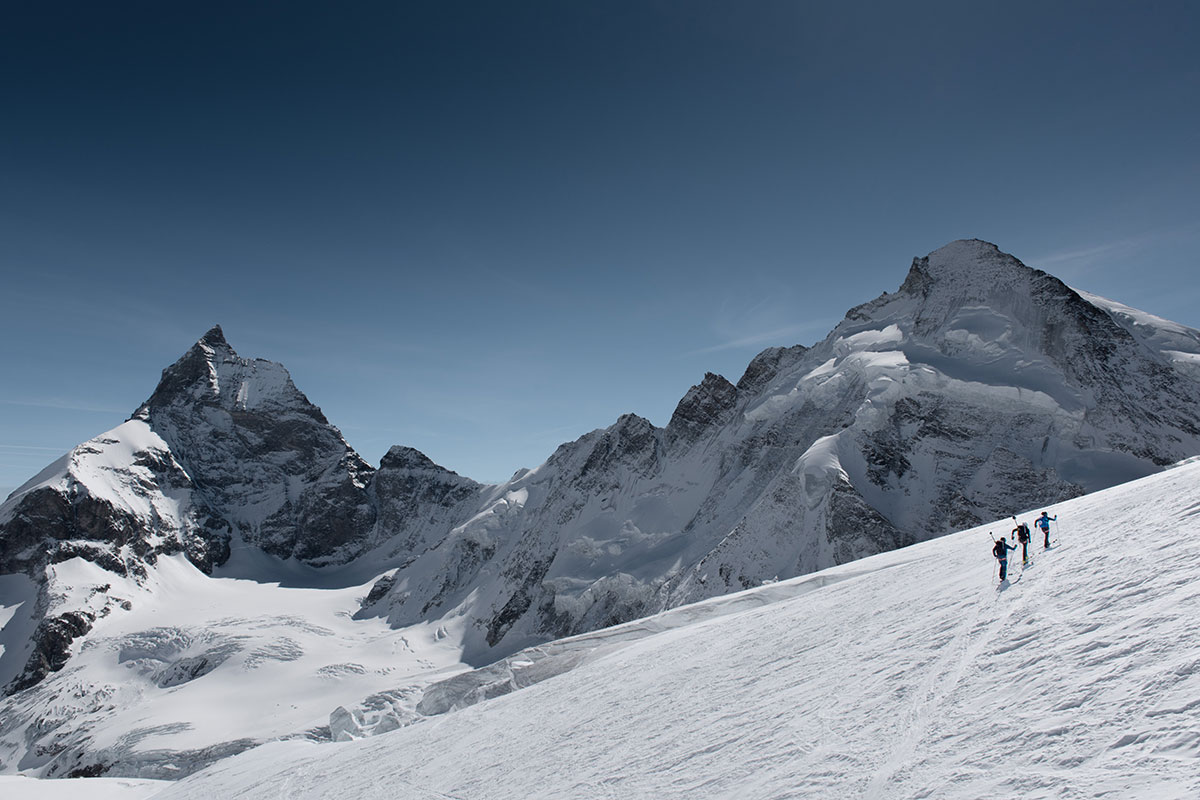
(979, 389)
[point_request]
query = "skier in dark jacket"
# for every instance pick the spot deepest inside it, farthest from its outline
(1043, 522)
(1022, 534)
(1000, 551)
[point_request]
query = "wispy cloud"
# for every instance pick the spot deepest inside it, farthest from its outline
(1086, 256)
(785, 336)
(763, 315)
(64, 405)
(1084, 253)
(23, 448)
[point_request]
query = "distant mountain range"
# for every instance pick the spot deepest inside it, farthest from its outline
(981, 388)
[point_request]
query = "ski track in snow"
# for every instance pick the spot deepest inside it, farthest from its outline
(924, 680)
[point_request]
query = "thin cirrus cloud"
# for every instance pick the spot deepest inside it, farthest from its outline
(750, 321)
(1093, 256)
(63, 405)
(1090, 256)
(29, 448)
(783, 337)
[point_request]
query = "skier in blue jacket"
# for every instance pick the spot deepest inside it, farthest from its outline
(1043, 522)
(1000, 551)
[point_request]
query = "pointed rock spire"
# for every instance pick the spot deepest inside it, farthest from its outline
(767, 364)
(214, 338)
(212, 373)
(704, 405)
(402, 457)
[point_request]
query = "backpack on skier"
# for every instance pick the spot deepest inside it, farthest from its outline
(1000, 551)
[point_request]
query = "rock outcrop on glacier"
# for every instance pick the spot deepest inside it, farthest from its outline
(979, 389)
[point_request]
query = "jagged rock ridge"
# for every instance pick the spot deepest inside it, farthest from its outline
(979, 389)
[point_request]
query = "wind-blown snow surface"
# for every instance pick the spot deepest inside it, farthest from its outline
(14, 786)
(907, 674)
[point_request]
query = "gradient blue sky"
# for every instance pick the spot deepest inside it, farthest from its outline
(483, 229)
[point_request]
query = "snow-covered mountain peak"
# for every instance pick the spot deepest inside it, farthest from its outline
(964, 272)
(970, 261)
(211, 373)
(976, 313)
(966, 254)
(259, 451)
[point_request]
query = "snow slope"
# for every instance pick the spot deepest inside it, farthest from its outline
(907, 674)
(16, 787)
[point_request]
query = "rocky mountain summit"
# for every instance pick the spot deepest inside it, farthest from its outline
(225, 447)
(262, 458)
(979, 389)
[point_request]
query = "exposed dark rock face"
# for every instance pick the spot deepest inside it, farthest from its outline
(706, 406)
(249, 439)
(632, 441)
(419, 502)
(53, 523)
(766, 365)
(857, 530)
(519, 602)
(399, 457)
(52, 647)
(188, 669)
(379, 590)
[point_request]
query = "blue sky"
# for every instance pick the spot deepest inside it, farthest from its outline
(483, 229)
